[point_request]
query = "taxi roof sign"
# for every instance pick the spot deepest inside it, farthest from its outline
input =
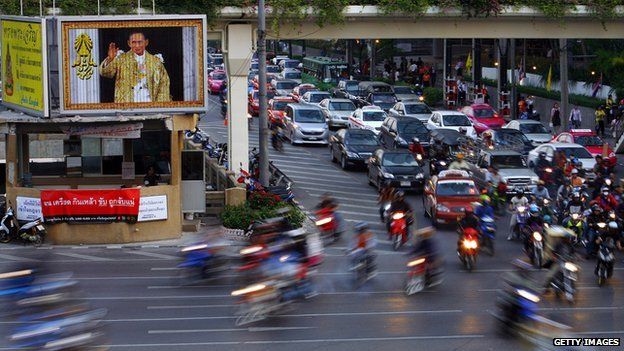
(581, 131)
(453, 173)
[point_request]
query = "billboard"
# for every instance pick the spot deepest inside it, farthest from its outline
(24, 77)
(99, 206)
(138, 64)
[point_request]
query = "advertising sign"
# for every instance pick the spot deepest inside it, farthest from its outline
(28, 208)
(85, 206)
(153, 208)
(139, 64)
(24, 83)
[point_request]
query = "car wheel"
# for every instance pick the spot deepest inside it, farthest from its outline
(344, 164)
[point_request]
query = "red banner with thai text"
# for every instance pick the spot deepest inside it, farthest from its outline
(91, 206)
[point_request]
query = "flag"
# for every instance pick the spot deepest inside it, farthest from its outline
(468, 63)
(549, 79)
(597, 86)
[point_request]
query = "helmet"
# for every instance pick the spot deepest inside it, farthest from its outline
(574, 171)
(542, 154)
(460, 156)
(360, 227)
(547, 219)
(519, 192)
(415, 140)
(596, 207)
(400, 194)
(613, 225)
(486, 199)
(604, 189)
(576, 195)
(534, 210)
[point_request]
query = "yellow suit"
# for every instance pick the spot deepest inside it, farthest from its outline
(125, 69)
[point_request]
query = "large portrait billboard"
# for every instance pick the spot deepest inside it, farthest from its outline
(24, 84)
(138, 64)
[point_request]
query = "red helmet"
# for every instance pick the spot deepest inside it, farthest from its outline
(470, 232)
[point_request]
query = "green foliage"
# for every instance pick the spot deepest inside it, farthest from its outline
(604, 10)
(555, 9)
(580, 100)
(241, 216)
(413, 7)
(433, 96)
(262, 199)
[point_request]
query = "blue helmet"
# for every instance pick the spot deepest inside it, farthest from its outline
(533, 209)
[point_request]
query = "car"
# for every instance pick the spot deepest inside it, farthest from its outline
(447, 195)
(283, 87)
(483, 116)
(512, 139)
(255, 65)
(254, 101)
(289, 64)
(269, 78)
(346, 89)
(273, 69)
(570, 149)
(277, 59)
(452, 120)
(216, 79)
(277, 106)
(590, 140)
(215, 61)
(305, 123)
(534, 130)
(398, 132)
(383, 100)
(368, 117)
(352, 146)
(396, 168)
(337, 111)
(314, 97)
(511, 167)
(301, 89)
(414, 109)
(291, 74)
(403, 93)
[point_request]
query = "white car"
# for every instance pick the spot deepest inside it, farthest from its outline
(292, 74)
(337, 111)
(415, 109)
(448, 119)
(368, 117)
(534, 130)
(570, 149)
(315, 97)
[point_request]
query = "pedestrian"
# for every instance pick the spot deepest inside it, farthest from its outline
(575, 118)
(426, 79)
(403, 65)
(459, 68)
(555, 118)
(600, 120)
(151, 177)
(609, 109)
(433, 76)
(461, 92)
(522, 106)
(419, 63)
(397, 75)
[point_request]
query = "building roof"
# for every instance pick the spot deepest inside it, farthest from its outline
(18, 117)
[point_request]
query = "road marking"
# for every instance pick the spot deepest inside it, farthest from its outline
(153, 254)
(347, 199)
(155, 287)
(293, 174)
(376, 215)
(296, 177)
(252, 329)
(355, 191)
(297, 163)
(164, 269)
(84, 257)
(286, 157)
(188, 306)
(16, 258)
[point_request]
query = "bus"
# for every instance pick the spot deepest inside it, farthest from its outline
(325, 69)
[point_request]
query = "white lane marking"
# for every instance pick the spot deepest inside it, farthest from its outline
(156, 287)
(164, 269)
(359, 214)
(329, 185)
(567, 309)
(109, 261)
(16, 258)
(347, 199)
(252, 329)
(188, 306)
(153, 254)
(84, 257)
(340, 192)
(295, 178)
(280, 157)
(308, 170)
(298, 163)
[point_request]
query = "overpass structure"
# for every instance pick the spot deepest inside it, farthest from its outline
(236, 30)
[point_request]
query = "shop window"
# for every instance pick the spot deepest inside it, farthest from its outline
(102, 156)
(154, 148)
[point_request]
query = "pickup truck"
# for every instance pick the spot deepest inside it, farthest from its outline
(511, 166)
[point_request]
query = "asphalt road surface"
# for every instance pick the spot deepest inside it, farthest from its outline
(147, 310)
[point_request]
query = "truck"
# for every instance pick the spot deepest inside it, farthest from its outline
(511, 166)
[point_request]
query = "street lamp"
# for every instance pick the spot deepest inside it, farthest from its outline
(535, 68)
(593, 73)
(496, 64)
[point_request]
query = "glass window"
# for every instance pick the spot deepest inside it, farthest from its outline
(533, 128)
(589, 140)
(218, 76)
(484, 113)
(112, 147)
(417, 109)
(376, 116)
(403, 90)
(91, 147)
(509, 161)
(293, 75)
(318, 97)
(286, 85)
(154, 148)
(399, 160)
(368, 139)
(279, 105)
(456, 189)
(456, 121)
(380, 99)
(342, 106)
(578, 152)
(309, 116)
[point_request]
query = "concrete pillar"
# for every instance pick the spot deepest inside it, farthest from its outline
(512, 98)
(476, 61)
(437, 48)
(563, 69)
(12, 176)
(238, 59)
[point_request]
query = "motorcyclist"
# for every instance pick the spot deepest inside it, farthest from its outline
(416, 148)
(542, 164)
(563, 249)
(459, 163)
(535, 220)
(514, 310)
(386, 196)
(438, 151)
(427, 246)
(363, 245)
(485, 208)
(596, 216)
(493, 176)
(329, 203)
(468, 221)
(518, 200)
(605, 200)
(575, 205)
(540, 192)
(563, 193)
(399, 204)
(488, 139)
(575, 179)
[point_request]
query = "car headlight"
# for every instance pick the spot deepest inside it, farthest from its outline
(388, 175)
(352, 154)
(420, 176)
(442, 208)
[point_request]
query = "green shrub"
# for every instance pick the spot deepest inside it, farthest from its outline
(433, 96)
(237, 217)
(262, 199)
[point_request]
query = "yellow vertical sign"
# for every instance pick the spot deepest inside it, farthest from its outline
(22, 64)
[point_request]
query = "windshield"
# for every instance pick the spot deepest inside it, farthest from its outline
(318, 97)
(533, 128)
(588, 140)
(291, 64)
(309, 116)
(341, 106)
(456, 189)
(305, 90)
(273, 69)
(399, 160)
(279, 105)
(270, 95)
(403, 90)
(293, 75)
(515, 137)
(484, 113)
(417, 109)
(285, 85)
(577, 152)
(456, 121)
(217, 61)
(509, 161)
(377, 116)
(368, 139)
(380, 99)
(352, 86)
(411, 127)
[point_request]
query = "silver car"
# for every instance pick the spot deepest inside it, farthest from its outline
(305, 123)
(414, 109)
(534, 130)
(337, 111)
(292, 74)
(283, 87)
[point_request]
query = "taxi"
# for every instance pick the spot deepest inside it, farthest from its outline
(590, 140)
(277, 105)
(447, 195)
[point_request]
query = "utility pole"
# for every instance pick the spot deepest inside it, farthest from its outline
(512, 97)
(262, 120)
(563, 69)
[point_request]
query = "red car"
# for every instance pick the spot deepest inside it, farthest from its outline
(270, 77)
(483, 116)
(447, 195)
(277, 107)
(302, 89)
(588, 139)
(215, 80)
(254, 103)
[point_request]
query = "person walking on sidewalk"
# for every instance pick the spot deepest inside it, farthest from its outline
(555, 118)
(575, 118)
(600, 120)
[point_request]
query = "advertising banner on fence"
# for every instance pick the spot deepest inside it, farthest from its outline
(153, 208)
(144, 64)
(24, 85)
(90, 206)
(28, 208)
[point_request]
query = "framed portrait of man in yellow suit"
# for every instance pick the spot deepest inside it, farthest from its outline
(132, 64)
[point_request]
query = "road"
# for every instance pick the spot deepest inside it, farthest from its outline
(147, 310)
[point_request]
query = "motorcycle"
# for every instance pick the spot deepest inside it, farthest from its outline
(327, 225)
(420, 276)
(521, 218)
(383, 211)
(469, 249)
(398, 229)
(487, 228)
(606, 260)
(575, 223)
(277, 139)
(257, 301)
(438, 166)
(548, 210)
(30, 232)
(363, 266)
(564, 281)
(535, 249)
(200, 262)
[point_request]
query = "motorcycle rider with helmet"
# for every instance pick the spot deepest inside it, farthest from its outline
(540, 192)
(459, 163)
(517, 201)
(535, 220)
(399, 204)
(596, 216)
(468, 221)
(363, 245)
(605, 200)
(428, 247)
(542, 164)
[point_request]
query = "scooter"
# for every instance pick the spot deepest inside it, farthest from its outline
(327, 224)
(521, 218)
(277, 139)
(420, 276)
(488, 233)
(200, 261)
(363, 266)
(30, 232)
(564, 281)
(398, 229)
(469, 248)
(606, 260)
(535, 249)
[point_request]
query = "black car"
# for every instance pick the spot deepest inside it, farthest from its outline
(396, 168)
(355, 146)
(513, 139)
(398, 132)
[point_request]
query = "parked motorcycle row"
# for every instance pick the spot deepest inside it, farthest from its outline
(27, 232)
(218, 151)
